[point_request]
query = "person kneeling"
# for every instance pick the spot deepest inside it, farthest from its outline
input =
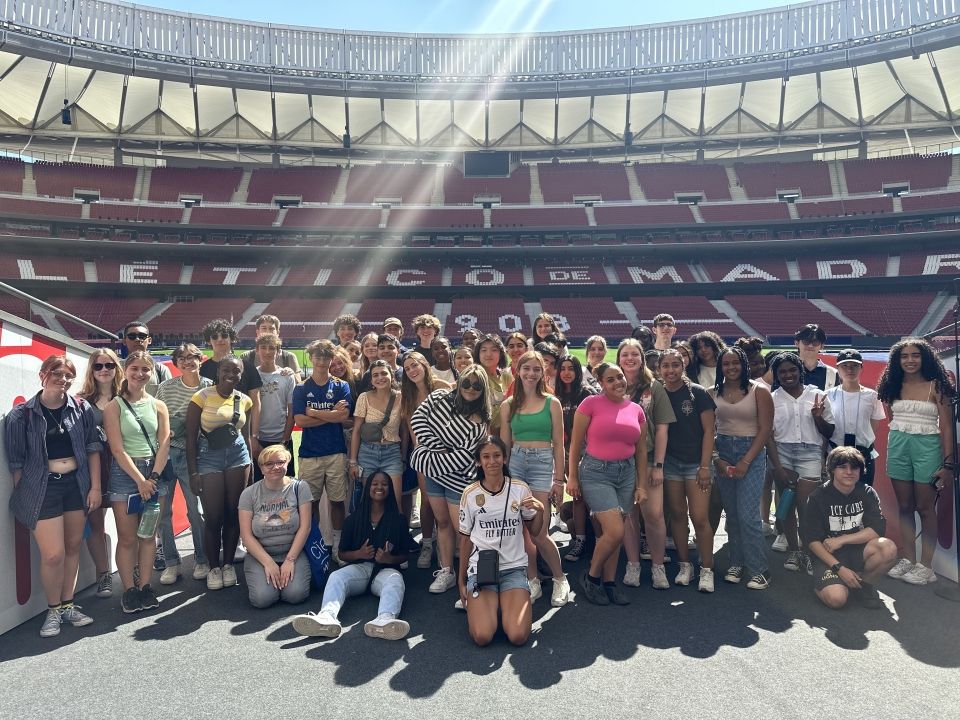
(274, 525)
(845, 533)
(374, 543)
(492, 512)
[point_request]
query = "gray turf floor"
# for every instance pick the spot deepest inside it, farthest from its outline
(676, 653)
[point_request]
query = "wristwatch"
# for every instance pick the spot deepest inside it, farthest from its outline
(835, 568)
(154, 475)
(658, 465)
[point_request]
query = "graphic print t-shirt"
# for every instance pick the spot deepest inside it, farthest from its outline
(830, 513)
(685, 436)
(276, 514)
(482, 517)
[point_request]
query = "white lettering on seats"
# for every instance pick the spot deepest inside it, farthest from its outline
(466, 322)
(139, 272)
(637, 274)
(934, 263)
(746, 271)
(322, 277)
(28, 273)
(393, 278)
(515, 323)
(232, 273)
(826, 271)
(484, 275)
(576, 275)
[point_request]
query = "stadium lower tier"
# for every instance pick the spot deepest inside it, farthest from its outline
(845, 317)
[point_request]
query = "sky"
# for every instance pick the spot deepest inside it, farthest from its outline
(463, 16)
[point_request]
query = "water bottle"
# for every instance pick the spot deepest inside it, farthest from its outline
(149, 518)
(786, 503)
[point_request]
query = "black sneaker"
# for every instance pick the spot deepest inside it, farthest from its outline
(592, 592)
(148, 598)
(869, 597)
(760, 581)
(616, 595)
(159, 561)
(130, 601)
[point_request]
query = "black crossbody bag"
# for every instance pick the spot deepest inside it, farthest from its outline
(225, 435)
(488, 561)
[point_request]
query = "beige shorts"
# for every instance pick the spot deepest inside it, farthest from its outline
(329, 471)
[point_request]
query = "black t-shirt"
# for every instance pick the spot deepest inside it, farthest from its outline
(425, 351)
(250, 379)
(685, 436)
(830, 513)
(378, 536)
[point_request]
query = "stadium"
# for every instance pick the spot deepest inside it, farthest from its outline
(746, 173)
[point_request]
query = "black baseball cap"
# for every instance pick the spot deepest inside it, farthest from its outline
(849, 355)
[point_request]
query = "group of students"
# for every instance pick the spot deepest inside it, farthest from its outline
(666, 435)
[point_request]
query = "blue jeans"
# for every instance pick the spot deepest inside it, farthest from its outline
(609, 484)
(741, 502)
(534, 466)
(353, 580)
(380, 456)
(178, 459)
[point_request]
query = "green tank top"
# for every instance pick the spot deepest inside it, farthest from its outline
(134, 443)
(533, 427)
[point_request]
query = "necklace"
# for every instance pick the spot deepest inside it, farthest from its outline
(53, 418)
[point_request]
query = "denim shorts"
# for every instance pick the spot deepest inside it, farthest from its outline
(678, 470)
(512, 579)
(608, 484)
(435, 489)
(380, 456)
(216, 461)
(122, 485)
(534, 466)
(805, 459)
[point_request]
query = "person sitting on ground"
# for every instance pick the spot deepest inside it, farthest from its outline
(274, 524)
(374, 544)
(844, 531)
(496, 501)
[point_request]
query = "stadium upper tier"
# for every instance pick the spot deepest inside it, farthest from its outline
(138, 79)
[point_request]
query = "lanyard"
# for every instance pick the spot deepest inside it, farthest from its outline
(843, 411)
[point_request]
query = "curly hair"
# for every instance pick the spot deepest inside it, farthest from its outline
(220, 326)
(788, 357)
(710, 339)
(931, 368)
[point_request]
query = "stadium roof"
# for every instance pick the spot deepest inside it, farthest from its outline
(812, 76)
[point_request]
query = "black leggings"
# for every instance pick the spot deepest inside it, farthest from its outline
(221, 522)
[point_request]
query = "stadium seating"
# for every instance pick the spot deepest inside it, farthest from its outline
(538, 217)
(302, 320)
(424, 218)
(479, 274)
(400, 273)
(168, 184)
(233, 216)
(139, 272)
(884, 313)
(745, 212)
(136, 213)
(185, 318)
(499, 315)
(820, 268)
(841, 208)
(42, 267)
(764, 179)
(331, 273)
(329, 218)
(513, 190)
(691, 313)
(662, 181)
(40, 208)
(778, 315)
(746, 270)
(310, 184)
(11, 175)
(922, 173)
(936, 201)
(62, 179)
(412, 184)
(561, 183)
(643, 215)
(587, 316)
(111, 314)
(375, 310)
(234, 272)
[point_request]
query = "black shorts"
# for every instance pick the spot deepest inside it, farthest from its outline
(62, 496)
(850, 556)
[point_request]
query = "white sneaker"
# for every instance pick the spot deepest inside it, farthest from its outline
(170, 574)
(229, 575)
(71, 614)
(415, 518)
(561, 592)
(706, 580)
(658, 577)
(458, 605)
(51, 623)
(321, 624)
(920, 574)
(780, 544)
(200, 571)
(387, 627)
(685, 576)
(536, 589)
(902, 567)
(631, 575)
(769, 529)
(443, 580)
(425, 558)
(215, 579)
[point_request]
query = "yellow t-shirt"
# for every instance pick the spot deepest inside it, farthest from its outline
(217, 411)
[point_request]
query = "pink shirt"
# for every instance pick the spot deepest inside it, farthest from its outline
(614, 429)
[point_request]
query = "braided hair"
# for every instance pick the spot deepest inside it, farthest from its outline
(744, 369)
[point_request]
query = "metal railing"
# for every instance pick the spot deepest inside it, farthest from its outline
(200, 40)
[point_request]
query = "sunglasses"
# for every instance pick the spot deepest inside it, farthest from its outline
(220, 336)
(475, 385)
(137, 336)
(104, 366)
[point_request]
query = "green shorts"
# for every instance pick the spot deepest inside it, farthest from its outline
(913, 457)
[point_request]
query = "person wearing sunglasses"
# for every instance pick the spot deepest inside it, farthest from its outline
(448, 426)
(101, 383)
(53, 454)
(136, 336)
(177, 393)
(275, 521)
